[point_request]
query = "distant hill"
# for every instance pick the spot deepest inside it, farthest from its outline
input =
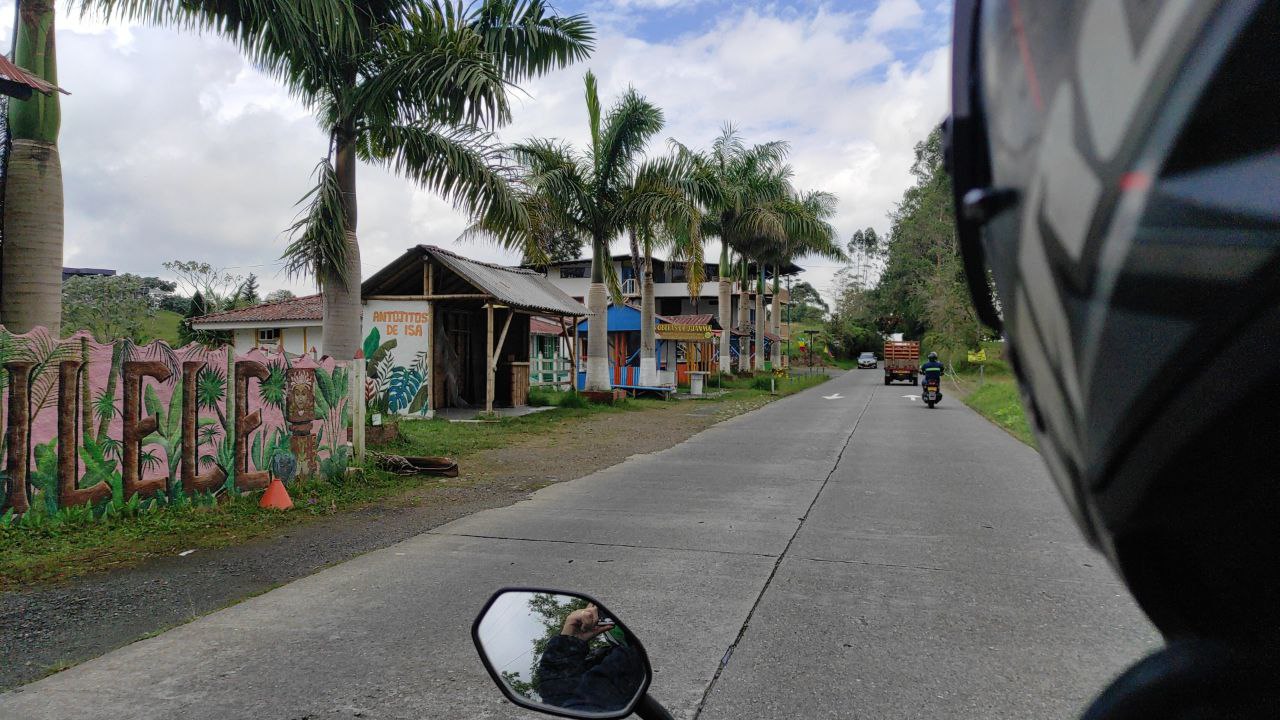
(164, 326)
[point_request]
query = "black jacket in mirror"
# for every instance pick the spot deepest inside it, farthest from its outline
(574, 676)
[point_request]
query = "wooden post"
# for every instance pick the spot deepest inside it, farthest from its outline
(488, 361)
(430, 271)
(573, 361)
(497, 351)
(357, 406)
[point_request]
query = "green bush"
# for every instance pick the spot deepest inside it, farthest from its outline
(542, 397)
(573, 400)
(763, 382)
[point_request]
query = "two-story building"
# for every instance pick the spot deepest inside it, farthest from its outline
(671, 288)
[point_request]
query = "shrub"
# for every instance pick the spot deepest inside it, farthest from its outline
(541, 397)
(573, 400)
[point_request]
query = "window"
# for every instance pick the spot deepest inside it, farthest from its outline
(670, 306)
(268, 335)
(574, 272)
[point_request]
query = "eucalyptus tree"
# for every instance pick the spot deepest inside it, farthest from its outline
(747, 181)
(590, 193)
(415, 86)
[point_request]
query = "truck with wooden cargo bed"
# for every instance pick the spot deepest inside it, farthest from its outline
(901, 361)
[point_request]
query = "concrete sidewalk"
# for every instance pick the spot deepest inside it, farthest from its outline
(850, 574)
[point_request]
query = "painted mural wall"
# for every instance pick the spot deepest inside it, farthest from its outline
(396, 342)
(87, 423)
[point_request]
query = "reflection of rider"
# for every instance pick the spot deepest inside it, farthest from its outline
(575, 676)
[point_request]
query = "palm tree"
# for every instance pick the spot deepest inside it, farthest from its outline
(807, 231)
(591, 194)
(411, 85)
(31, 281)
(746, 180)
(665, 208)
(419, 93)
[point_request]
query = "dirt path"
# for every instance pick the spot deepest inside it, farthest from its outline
(46, 629)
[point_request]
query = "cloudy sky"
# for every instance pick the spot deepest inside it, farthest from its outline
(173, 147)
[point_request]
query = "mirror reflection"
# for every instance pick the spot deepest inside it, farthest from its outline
(561, 651)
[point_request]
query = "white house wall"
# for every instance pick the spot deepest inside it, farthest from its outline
(244, 339)
(297, 340)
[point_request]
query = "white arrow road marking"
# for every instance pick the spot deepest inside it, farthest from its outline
(837, 396)
(912, 397)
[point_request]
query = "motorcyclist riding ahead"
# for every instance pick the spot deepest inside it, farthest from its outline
(932, 370)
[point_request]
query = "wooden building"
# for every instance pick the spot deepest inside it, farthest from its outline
(468, 321)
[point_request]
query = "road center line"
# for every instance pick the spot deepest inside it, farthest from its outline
(724, 661)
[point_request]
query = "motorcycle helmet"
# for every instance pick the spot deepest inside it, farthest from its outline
(1116, 170)
(933, 356)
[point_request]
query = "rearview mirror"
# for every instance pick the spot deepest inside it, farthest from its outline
(561, 653)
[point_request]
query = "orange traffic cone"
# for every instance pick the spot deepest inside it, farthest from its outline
(276, 496)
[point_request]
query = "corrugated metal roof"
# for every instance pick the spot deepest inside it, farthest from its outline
(13, 77)
(309, 307)
(690, 319)
(518, 288)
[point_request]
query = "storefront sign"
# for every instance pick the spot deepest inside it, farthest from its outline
(672, 331)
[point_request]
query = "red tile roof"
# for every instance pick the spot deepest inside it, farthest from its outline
(310, 307)
(542, 326)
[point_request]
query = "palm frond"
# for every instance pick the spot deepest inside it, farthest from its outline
(435, 68)
(593, 110)
(628, 127)
(526, 41)
(318, 239)
(463, 165)
(553, 171)
(290, 40)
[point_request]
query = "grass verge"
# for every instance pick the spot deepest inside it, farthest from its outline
(61, 551)
(997, 400)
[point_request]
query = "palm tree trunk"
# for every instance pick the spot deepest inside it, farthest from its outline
(744, 320)
(598, 379)
(775, 322)
(725, 307)
(760, 325)
(342, 307)
(648, 334)
(31, 274)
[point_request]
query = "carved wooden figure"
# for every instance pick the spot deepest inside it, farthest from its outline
(136, 429)
(192, 480)
(18, 441)
(246, 423)
(68, 442)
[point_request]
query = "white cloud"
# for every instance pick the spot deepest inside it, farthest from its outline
(894, 15)
(172, 147)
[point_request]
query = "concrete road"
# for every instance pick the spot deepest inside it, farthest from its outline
(858, 556)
